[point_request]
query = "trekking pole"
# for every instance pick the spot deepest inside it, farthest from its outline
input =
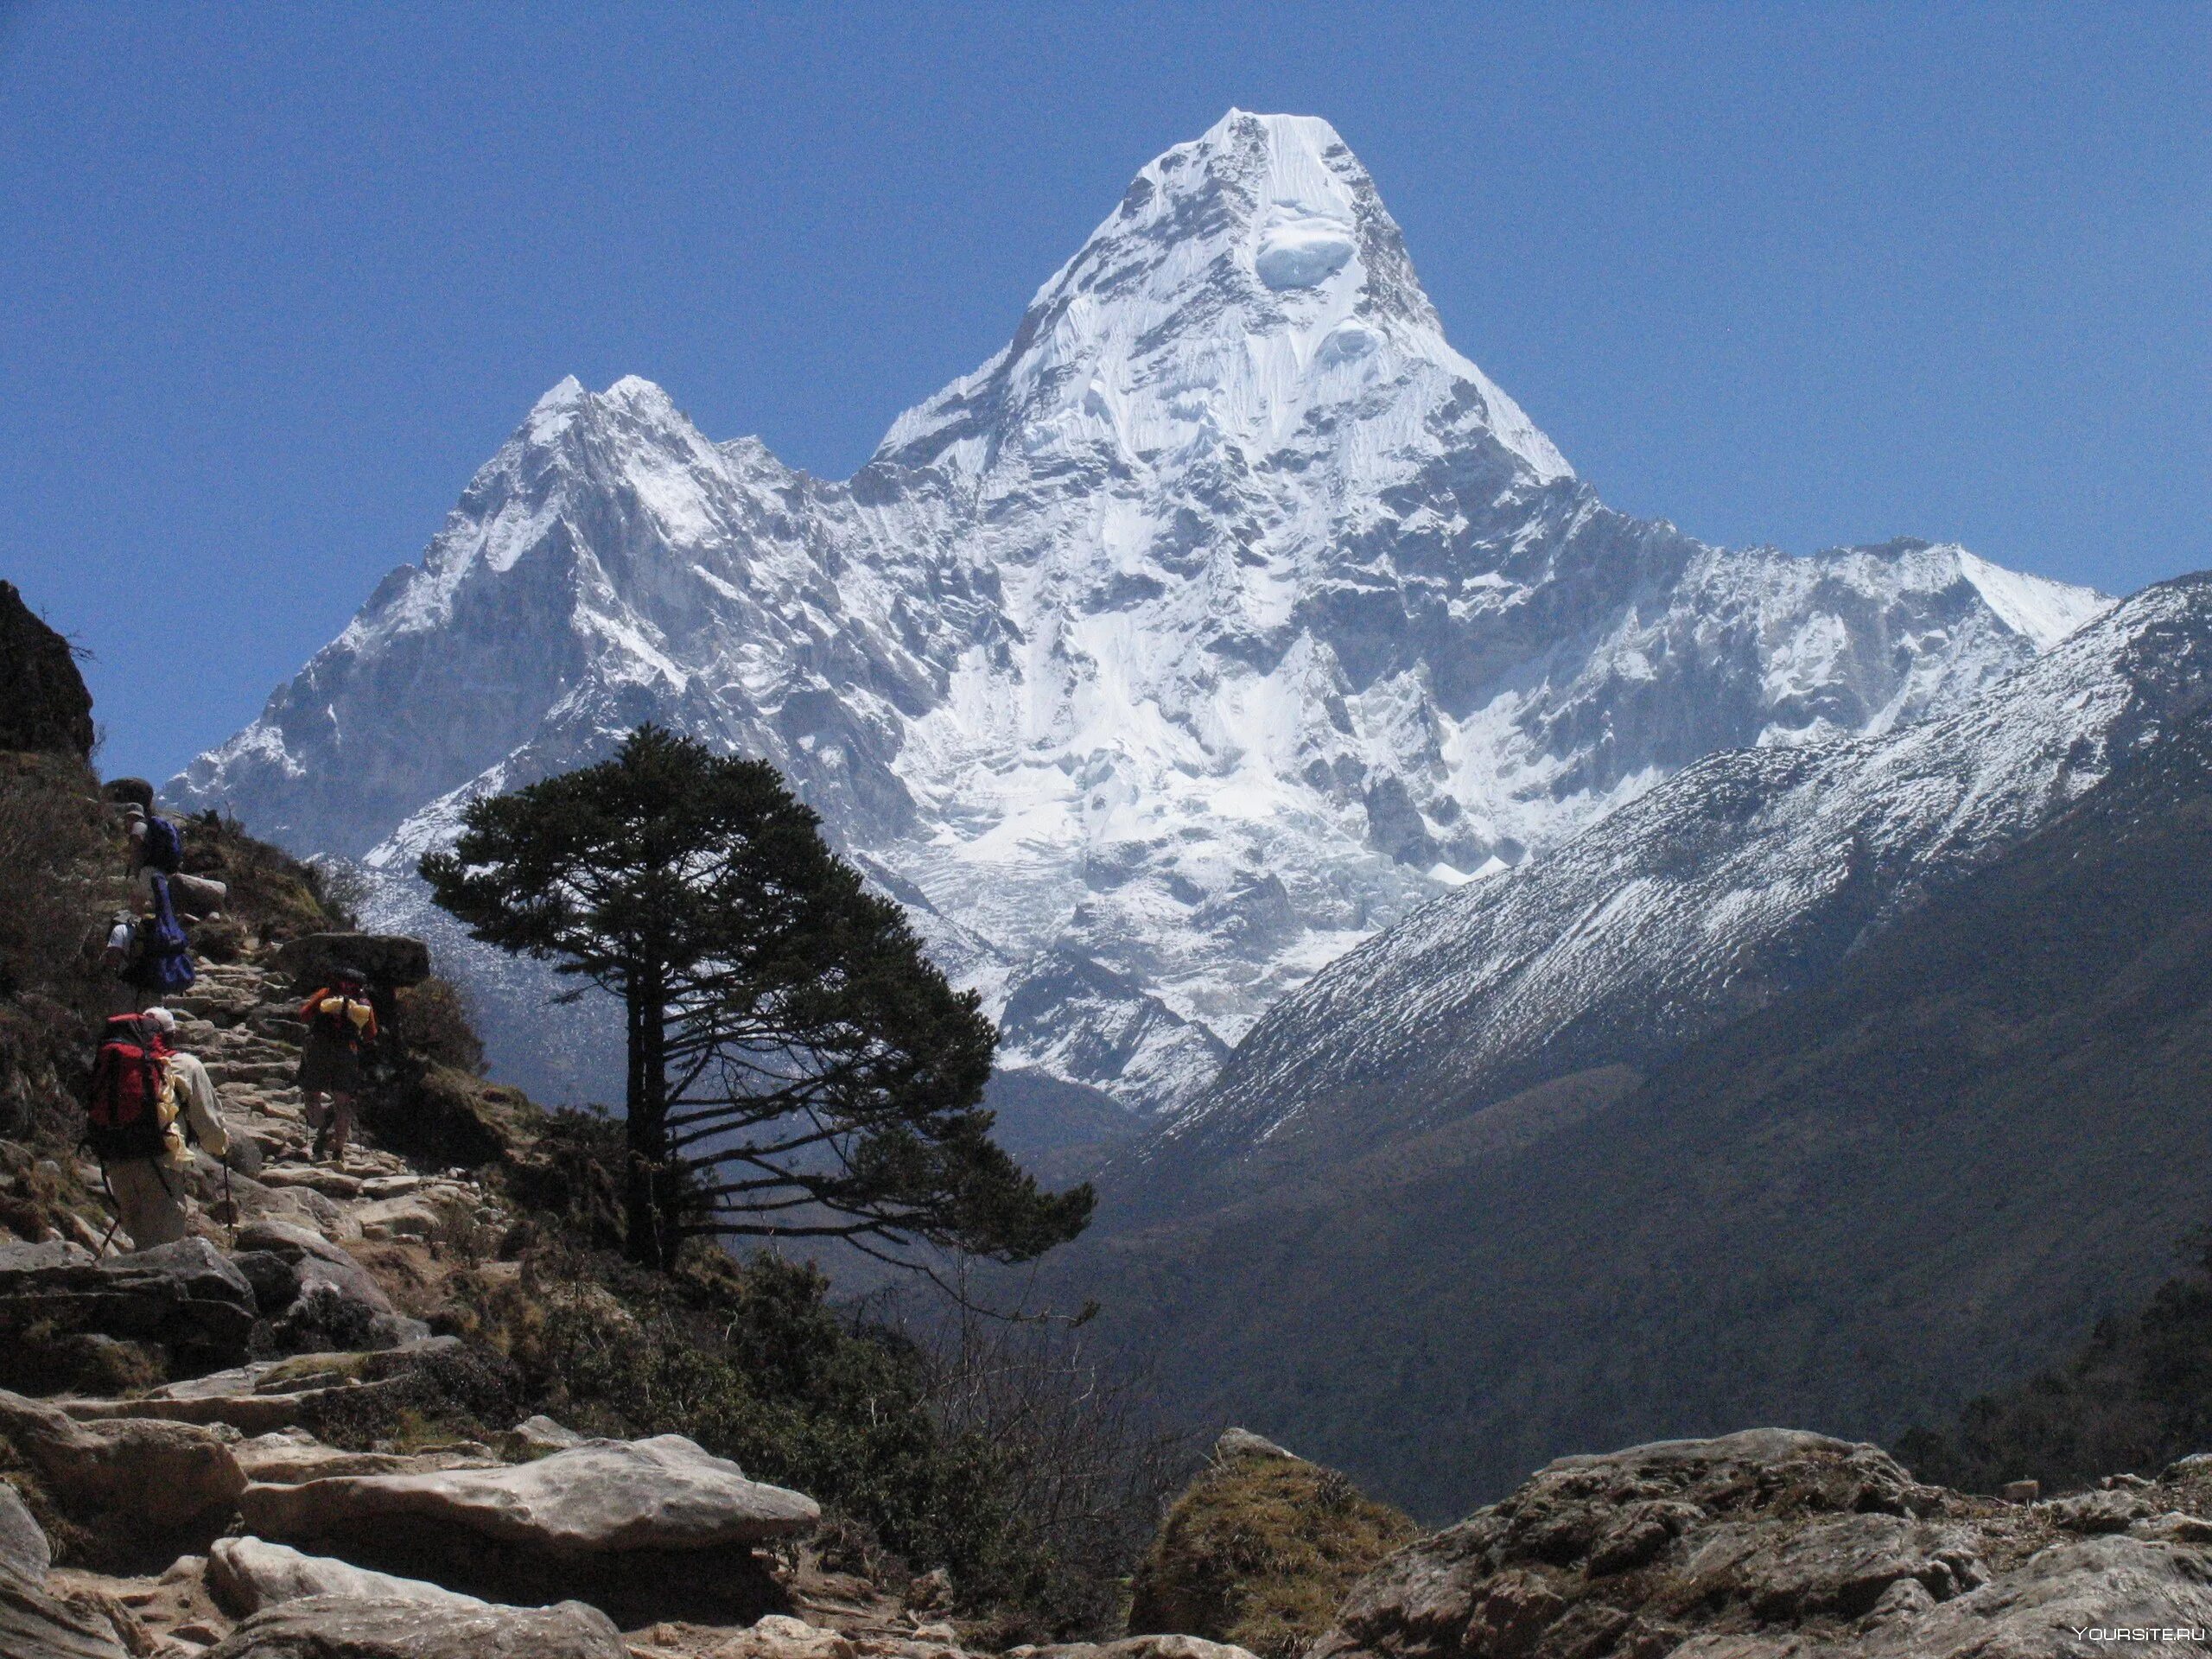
(107, 1187)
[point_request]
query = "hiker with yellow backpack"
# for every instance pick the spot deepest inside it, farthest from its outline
(340, 1023)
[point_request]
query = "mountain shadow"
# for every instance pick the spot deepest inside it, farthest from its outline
(1848, 1211)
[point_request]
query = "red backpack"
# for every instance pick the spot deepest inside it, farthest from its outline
(122, 1119)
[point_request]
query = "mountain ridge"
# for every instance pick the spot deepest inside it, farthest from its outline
(1223, 617)
(1913, 1175)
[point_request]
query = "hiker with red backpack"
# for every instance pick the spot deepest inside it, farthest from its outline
(339, 1023)
(143, 1105)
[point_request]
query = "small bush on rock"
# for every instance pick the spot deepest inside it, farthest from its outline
(1261, 1551)
(434, 1024)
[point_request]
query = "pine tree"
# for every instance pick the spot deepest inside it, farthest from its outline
(798, 1067)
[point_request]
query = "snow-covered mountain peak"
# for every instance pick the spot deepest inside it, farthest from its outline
(1223, 616)
(1250, 293)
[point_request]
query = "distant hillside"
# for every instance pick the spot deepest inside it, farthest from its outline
(1851, 1209)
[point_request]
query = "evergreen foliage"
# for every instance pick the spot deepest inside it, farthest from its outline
(2134, 1397)
(798, 1067)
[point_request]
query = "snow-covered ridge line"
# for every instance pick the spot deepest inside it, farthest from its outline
(1745, 875)
(1225, 616)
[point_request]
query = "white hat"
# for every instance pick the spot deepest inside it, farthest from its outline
(162, 1019)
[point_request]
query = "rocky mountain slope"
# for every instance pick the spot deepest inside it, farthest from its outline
(1225, 616)
(1752, 874)
(1891, 1186)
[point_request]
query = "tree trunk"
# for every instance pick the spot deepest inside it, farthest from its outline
(651, 1234)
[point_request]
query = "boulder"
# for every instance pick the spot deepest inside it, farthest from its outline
(198, 895)
(37, 1626)
(43, 702)
(603, 1497)
(246, 1574)
(778, 1636)
(23, 1549)
(2095, 1512)
(386, 1627)
(275, 1279)
(1773, 1544)
(1243, 1443)
(129, 791)
(381, 959)
(154, 1476)
(1260, 1551)
(334, 1304)
(185, 1296)
(1137, 1647)
(538, 1437)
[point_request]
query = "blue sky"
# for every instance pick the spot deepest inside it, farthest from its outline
(273, 281)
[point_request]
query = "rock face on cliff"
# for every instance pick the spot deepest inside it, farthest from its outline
(1777, 1544)
(43, 702)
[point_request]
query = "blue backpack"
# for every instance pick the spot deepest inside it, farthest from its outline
(167, 953)
(164, 844)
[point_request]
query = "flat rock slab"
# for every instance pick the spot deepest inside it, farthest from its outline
(271, 1395)
(186, 1295)
(39, 1626)
(247, 1574)
(154, 1475)
(289, 1456)
(23, 1548)
(380, 1627)
(389, 959)
(603, 1497)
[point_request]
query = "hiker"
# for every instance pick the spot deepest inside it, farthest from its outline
(143, 1105)
(148, 955)
(156, 844)
(340, 1021)
(118, 961)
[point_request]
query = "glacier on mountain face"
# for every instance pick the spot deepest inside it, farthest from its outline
(1223, 617)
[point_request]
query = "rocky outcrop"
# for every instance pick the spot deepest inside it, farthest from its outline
(387, 1627)
(602, 1497)
(247, 1574)
(144, 1475)
(23, 1548)
(385, 960)
(1777, 1544)
(185, 1297)
(43, 702)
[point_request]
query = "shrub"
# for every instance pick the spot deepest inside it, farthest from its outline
(1261, 1551)
(434, 1024)
(272, 893)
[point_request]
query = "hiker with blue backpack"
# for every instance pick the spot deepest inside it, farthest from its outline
(145, 1104)
(149, 954)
